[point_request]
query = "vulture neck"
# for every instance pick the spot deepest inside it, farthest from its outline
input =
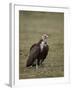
(42, 44)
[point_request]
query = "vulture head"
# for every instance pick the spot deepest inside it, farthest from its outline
(44, 38)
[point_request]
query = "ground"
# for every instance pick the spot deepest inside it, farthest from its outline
(32, 25)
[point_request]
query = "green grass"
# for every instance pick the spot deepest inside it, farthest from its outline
(32, 25)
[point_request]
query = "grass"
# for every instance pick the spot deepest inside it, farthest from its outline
(32, 25)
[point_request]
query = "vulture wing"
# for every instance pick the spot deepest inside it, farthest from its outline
(34, 52)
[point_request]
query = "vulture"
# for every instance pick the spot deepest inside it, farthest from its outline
(38, 52)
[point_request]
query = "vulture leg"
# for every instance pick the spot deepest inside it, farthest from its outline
(37, 61)
(36, 64)
(41, 61)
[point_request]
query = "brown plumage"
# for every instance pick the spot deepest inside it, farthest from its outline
(38, 52)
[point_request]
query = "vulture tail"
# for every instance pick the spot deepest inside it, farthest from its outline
(34, 52)
(29, 61)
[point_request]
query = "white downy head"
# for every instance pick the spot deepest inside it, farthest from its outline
(45, 37)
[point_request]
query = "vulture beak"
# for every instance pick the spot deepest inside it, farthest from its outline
(44, 36)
